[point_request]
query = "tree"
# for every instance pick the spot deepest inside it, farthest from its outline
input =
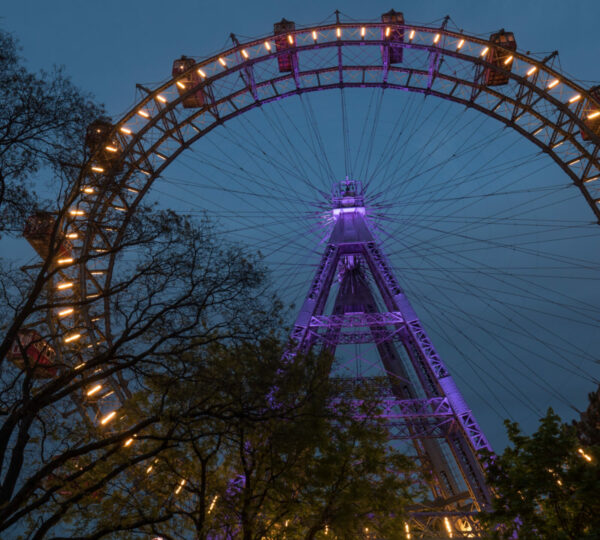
(546, 484)
(273, 459)
(177, 283)
(588, 426)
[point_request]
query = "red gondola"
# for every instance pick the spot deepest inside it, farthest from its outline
(394, 33)
(40, 356)
(284, 39)
(188, 78)
(501, 58)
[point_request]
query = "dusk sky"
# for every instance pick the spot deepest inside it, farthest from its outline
(107, 47)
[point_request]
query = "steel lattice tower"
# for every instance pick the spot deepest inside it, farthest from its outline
(421, 400)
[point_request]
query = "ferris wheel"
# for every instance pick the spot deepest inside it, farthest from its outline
(478, 167)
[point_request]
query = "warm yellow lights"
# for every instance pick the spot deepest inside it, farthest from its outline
(181, 484)
(508, 60)
(387, 31)
(64, 285)
(201, 73)
(149, 469)
(448, 526)
(72, 337)
(267, 46)
(88, 190)
(244, 53)
(460, 44)
(65, 312)
(94, 390)
(436, 38)
(67, 260)
(143, 113)
(338, 32)
(553, 84)
(411, 35)
(484, 51)
(575, 98)
(181, 85)
(326, 529)
(290, 39)
(222, 61)
(593, 115)
(585, 456)
(128, 442)
(407, 531)
(125, 130)
(95, 168)
(363, 31)
(160, 98)
(212, 504)
(111, 148)
(108, 417)
(531, 71)
(314, 35)
(72, 235)
(76, 212)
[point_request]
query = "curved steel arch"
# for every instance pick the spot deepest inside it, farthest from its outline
(437, 62)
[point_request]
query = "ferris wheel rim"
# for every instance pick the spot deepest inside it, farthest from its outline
(100, 205)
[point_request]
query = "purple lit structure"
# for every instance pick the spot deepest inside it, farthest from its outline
(420, 401)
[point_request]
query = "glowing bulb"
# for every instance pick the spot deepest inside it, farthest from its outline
(575, 98)
(111, 149)
(181, 484)
(314, 35)
(67, 260)
(128, 442)
(338, 32)
(77, 212)
(94, 390)
(95, 168)
(65, 312)
(72, 235)
(108, 417)
(72, 337)
(387, 32)
(88, 190)
(201, 73)
(222, 61)
(267, 46)
(162, 99)
(448, 527)
(125, 130)
(143, 113)
(363, 31)
(212, 504)
(593, 115)
(531, 71)
(436, 38)
(460, 44)
(291, 39)
(553, 83)
(407, 530)
(484, 51)
(149, 469)
(64, 285)
(181, 85)
(411, 35)
(508, 60)
(244, 53)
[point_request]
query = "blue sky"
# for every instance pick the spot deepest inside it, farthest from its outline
(107, 47)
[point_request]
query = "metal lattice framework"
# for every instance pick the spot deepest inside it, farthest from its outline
(537, 102)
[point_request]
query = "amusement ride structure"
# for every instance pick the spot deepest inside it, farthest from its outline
(422, 400)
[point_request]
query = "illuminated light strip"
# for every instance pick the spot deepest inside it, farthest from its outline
(181, 484)
(592, 178)
(407, 530)
(531, 71)
(72, 235)
(484, 51)
(593, 115)
(448, 527)
(94, 390)
(267, 46)
(65, 285)
(79, 366)
(584, 455)
(108, 417)
(161, 156)
(180, 84)
(222, 61)
(508, 60)
(212, 504)
(290, 39)
(314, 35)
(120, 208)
(68, 260)
(575, 98)
(411, 35)
(574, 161)
(111, 148)
(387, 32)
(539, 130)
(125, 130)
(128, 442)
(460, 44)
(201, 73)
(436, 38)
(143, 113)
(363, 31)
(144, 171)
(95, 168)
(77, 212)
(65, 312)
(88, 190)
(97, 273)
(133, 190)
(72, 337)
(149, 469)
(338, 32)
(244, 53)
(160, 98)
(558, 144)
(553, 84)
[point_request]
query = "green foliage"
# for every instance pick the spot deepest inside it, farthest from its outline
(546, 486)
